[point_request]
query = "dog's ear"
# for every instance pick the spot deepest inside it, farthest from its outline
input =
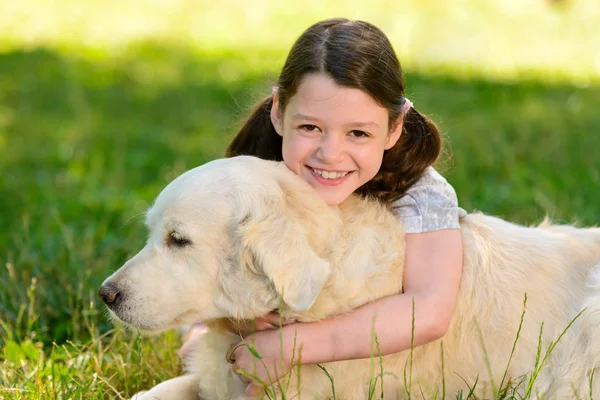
(285, 240)
(281, 250)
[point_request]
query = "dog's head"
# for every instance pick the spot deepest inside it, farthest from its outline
(230, 238)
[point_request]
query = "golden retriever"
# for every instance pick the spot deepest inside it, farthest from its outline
(235, 237)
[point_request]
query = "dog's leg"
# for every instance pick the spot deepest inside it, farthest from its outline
(181, 388)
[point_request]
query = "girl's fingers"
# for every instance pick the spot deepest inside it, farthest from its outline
(267, 322)
(191, 339)
(273, 319)
(263, 324)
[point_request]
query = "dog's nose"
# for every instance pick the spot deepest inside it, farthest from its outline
(109, 295)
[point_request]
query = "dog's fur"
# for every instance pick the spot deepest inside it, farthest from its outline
(257, 232)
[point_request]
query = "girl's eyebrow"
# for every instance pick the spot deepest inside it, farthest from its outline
(358, 124)
(362, 124)
(305, 117)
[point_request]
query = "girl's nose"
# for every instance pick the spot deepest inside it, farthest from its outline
(330, 148)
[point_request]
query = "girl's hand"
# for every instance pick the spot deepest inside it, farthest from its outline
(191, 337)
(243, 327)
(269, 369)
(268, 322)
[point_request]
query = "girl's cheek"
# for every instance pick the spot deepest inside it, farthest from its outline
(295, 144)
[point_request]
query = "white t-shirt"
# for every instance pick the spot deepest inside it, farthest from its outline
(430, 204)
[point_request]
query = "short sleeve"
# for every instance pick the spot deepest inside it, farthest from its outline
(429, 205)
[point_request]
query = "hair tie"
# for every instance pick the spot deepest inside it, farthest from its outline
(407, 105)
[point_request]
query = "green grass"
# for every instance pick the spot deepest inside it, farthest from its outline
(103, 103)
(102, 367)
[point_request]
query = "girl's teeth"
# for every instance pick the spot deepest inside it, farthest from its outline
(330, 175)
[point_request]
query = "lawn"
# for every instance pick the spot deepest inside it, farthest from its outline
(103, 103)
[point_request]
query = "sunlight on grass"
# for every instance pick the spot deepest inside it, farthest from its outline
(503, 39)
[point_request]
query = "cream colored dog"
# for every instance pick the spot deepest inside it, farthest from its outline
(231, 237)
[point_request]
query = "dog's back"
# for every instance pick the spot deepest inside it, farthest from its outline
(503, 263)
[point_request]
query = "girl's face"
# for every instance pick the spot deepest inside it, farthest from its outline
(333, 136)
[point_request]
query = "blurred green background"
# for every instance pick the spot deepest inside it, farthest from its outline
(104, 102)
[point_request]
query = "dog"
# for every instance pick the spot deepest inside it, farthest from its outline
(237, 238)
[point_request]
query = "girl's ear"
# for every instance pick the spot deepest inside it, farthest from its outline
(394, 135)
(276, 117)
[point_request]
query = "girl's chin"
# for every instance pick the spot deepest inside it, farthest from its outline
(332, 199)
(332, 193)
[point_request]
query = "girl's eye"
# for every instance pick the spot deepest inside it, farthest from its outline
(309, 128)
(359, 134)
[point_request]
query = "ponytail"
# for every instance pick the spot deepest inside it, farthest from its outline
(257, 137)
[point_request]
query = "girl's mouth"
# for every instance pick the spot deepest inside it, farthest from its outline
(328, 177)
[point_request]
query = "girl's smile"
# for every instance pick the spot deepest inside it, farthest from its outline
(331, 178)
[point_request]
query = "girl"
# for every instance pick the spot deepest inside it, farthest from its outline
(339, 119)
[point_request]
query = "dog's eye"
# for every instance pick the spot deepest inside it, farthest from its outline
(176, 239)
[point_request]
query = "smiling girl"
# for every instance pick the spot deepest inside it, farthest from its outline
(340, 120)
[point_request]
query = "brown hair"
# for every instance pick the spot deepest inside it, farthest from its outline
(355, 54)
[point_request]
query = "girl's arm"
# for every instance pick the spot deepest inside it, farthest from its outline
(431, 277)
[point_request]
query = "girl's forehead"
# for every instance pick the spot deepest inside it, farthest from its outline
(319, 94)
